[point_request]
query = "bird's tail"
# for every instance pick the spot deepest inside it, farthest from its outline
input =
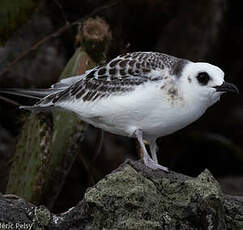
(36, 94)
(30, 93)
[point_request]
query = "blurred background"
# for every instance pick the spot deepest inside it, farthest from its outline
(199, 30)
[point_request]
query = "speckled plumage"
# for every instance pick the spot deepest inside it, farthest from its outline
(119, 76)
(144, 95)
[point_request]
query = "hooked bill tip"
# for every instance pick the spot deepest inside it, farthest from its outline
(227, 87)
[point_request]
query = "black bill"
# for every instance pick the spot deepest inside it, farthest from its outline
(227, 87)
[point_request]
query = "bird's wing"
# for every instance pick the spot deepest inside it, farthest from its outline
(120, 75)
(66, 82)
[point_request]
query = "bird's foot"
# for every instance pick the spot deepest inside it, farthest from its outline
(11, 196)
(153, 165)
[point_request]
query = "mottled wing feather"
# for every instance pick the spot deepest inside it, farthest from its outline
(119, 76)
(131, 65)
(66, 82)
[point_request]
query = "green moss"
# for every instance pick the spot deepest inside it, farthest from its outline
(42, 216)
(205, 185)
(126, 199)
(125, 190)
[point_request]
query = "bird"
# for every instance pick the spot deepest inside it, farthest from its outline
(142, 95)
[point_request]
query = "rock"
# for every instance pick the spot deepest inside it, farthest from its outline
(129, 199)
(135, 197)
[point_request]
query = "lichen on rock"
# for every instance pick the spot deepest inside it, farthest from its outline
(128, 199)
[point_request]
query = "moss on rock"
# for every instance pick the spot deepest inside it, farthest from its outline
(127, 199)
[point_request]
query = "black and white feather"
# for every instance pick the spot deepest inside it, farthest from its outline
(120, 76)
(142, 94)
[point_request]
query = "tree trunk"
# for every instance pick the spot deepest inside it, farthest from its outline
(49, 143)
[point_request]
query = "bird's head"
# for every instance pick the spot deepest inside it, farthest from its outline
(205, 82)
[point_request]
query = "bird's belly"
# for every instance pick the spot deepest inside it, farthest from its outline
(153, 124)
(118, 127)
(147, 109)
(161, 123)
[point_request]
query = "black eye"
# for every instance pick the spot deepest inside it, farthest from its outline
(203, 78)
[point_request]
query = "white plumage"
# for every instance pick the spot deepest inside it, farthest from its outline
(144, 95)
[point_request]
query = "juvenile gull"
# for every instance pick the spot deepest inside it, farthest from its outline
(144, 95)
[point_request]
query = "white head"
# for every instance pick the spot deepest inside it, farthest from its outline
(204, 82)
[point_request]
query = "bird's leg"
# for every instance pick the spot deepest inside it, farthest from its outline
(146, 158)
(139, 136)
(153, 149)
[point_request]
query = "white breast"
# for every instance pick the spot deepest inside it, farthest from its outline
(153, 108)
